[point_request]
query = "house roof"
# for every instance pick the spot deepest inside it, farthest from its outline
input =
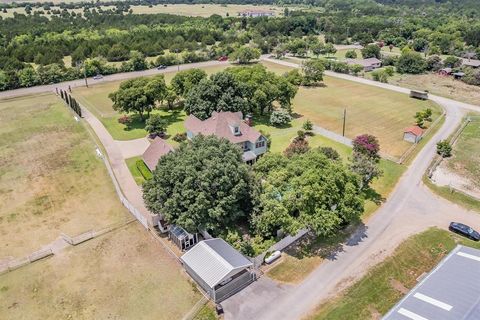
(364, 62)
(416, 130)
(214, 260)
(450, 292)
(447, 70)
(471, 62)
(157, 149)
(221, 125)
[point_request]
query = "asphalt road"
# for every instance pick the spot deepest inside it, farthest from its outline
(109, 78)
(411, 208)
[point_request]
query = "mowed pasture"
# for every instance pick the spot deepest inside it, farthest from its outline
(50, 178)
(372, 110)
(125, 274)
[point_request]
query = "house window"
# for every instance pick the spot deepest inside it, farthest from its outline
(260, 144)
(236, 130)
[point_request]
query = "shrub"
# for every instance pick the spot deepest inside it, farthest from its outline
(301, 134)
(351, 54)
(330, 153)
(155, 124)
(297, 146)
(366, 144)
(180, 137)
(434, 63)
(444, 149)
(411, 62)
(126, 120)
(144, 171)
(280, 118)
(307, 125)
(389, 70)
(380, 75)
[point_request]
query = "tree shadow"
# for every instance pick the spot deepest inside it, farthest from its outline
(136, 122)
(372, 195)
(328, 247)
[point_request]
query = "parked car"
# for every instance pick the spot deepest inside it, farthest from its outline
(464, 230)
(223, 58)
(98, 77)
(160, 67)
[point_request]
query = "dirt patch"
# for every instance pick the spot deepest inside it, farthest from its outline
(375, 315)
(397, 285)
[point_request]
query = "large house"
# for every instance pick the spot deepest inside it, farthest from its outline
(231, 126)
(157, 149)
(471, 63)
(367, 64)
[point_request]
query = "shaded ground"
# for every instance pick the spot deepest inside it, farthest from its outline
(50, 178)
(125, 274)
(385, 284)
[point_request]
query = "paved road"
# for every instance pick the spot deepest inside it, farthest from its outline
(109, 78)
(410, 209)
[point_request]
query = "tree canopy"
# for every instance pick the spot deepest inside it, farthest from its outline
(203, 184)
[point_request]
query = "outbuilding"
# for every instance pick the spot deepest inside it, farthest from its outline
(422, 95)
(413, 134)
(183, 239)
(219, 269)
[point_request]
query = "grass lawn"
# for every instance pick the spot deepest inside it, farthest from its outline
(372, 110)
(132, 166)
(50, 178)
(454, 196)
(379, 290)
(466, 152)
(95, 98)
(125, 274)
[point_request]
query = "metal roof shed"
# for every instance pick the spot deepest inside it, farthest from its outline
(450, 292)
(218, 268)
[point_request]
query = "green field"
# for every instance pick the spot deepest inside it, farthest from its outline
(51, 181)
(125, 274)
(385, 284)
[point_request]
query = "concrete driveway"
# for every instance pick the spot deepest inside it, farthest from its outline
(133, 148)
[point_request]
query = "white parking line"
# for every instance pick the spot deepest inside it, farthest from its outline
(410, 314)
(433, 301)
(469, 256)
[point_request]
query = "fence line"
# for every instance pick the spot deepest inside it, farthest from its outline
(278, 246)
(196, 309)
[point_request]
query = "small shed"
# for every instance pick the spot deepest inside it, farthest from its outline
(219, 269)
(422, 95)
(413, 134)
(182, 239)
(458, 75)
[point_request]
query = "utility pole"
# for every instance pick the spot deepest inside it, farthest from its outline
(85, 75)
(344, 120)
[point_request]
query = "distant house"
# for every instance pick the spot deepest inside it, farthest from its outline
(231, 126)
(367, 64)
(413, 134)
(471, 63)
(445, 71)
(219, 269)
(157, 149)
(257, 13)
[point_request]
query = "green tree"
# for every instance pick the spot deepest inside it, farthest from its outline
(371, 51)
(244, 55)
(139, 95)
(155, 124)
(444, 149)
(313, 72)
(356, 69)
(203, 184)
(351, 54)
(307, 125)
(185, 80)
(28, 77)
(222, 92)
(366, 158)
(411, 62)
(280, 118)
(306, 191)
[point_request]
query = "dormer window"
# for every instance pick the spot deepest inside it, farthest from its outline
(236, 131)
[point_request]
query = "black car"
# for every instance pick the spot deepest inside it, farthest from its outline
(464, 230)
(160, 67)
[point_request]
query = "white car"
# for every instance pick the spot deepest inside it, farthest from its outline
(98, 77)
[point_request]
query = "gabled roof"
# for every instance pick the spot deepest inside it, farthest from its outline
(364, 62)
(471, 62)
(220, 124)
(214, 261)
(157, 149)
(416, 130)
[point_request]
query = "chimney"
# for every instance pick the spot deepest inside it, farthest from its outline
(248, 120)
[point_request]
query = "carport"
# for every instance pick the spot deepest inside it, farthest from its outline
(218, 268)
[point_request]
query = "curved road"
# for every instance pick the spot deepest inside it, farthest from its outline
(411, 208)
